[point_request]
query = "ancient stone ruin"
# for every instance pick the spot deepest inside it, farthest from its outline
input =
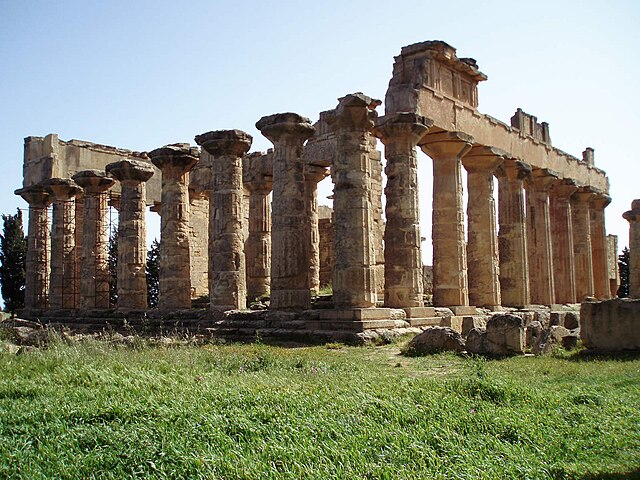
(539, 240)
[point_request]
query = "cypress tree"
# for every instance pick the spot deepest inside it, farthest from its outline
(13, 254)
(623, 268)
(153, 274)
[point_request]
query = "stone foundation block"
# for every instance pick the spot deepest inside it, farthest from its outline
(612, 325)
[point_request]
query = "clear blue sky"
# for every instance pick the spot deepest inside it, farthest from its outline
(139, 75)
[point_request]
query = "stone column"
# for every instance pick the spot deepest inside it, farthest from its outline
(37, 261)
(175, 162)
(450, 283)
(290, 253)
(633, 217)
(227, 278)
(482, 247)
(132, 232)
(354, 283)
(79, 201)
(599, 247)
(94, 283)
(582, 243)
(313, 174)
(400, 133)
(539, 247)
(258, 180)
(375, 156)
(63, 277)
(512, 240)
(562, 240)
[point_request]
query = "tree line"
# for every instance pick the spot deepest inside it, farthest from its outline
(13, 255)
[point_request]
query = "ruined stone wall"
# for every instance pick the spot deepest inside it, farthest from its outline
(430, 80)
(48, 157)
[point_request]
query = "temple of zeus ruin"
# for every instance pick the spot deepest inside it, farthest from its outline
(239, 225)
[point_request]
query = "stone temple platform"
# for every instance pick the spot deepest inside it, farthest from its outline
(315, 326)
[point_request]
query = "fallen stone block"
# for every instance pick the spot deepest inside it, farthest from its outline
(434, 340)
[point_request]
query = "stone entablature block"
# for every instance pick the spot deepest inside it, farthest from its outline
(413, 88)
(49, 157)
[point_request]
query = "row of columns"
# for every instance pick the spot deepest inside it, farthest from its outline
(549, 249)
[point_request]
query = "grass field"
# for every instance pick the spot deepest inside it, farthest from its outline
(98, 410)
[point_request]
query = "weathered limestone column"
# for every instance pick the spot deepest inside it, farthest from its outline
(582, 242)
(400, 133)
(354, 282)
(482, 247)
(599, 247)
(37, 261)
(132, 232)
(175, 162)
(79, 232)
(227, 278)
(562, 240)
(450, 283)
(313, 174)
(539, 246)
(94, 283)
(375, 156)
(63, 281)
(512, 240)
(290, 254)
(633, 217)
(257, 174)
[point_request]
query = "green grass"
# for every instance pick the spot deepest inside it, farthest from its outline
(95, 410)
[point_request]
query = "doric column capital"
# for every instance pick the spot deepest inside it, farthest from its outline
(446, 144)
(61, 189)
(514, 170)
(257, 172)
(225, 142)
(633, 215)
(177, 158)
(286, 128)
(94, 182)
(481, 158)
(542, 179)
(315, 173)
(403, 126)
(583, 195)
(600, 201)
(563, 188)
(35, 195)
(129, 169)
(355, 112)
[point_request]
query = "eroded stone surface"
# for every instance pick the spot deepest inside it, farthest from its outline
(37, 264)
(94, 287)
(63, 282)
(258, 180)
(290, 251)
(434, 340)
(175, 162)
(400, 133)
(633, 217)
(482, 246)
(611, 325)
(227, 284)
(512, 240)
(132, 232)
(354, 283)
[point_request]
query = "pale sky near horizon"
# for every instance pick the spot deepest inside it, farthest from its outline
(141, 74)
